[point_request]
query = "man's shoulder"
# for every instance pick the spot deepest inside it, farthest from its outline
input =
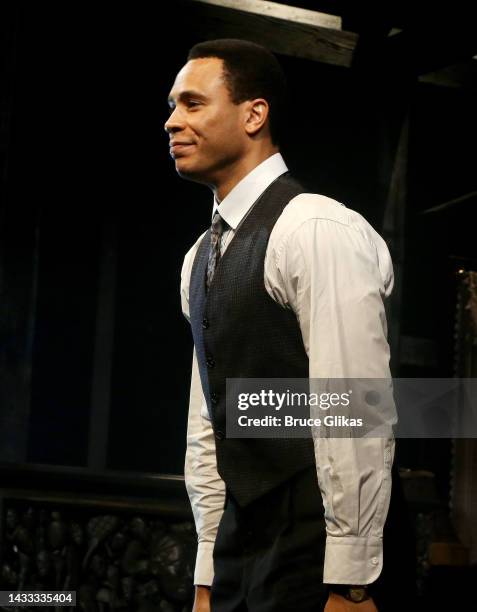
(317, 206)
(310, 208)
(313, 224)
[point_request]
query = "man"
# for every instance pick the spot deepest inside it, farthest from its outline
(284, 284)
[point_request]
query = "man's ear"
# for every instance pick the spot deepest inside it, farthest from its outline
(256, 115)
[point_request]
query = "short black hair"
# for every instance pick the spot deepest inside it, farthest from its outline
(250, 71)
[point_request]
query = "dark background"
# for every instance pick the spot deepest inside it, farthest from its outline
(87, 177)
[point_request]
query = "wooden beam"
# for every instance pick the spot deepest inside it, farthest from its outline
(423, 48)
(280, 11)
(279, 34)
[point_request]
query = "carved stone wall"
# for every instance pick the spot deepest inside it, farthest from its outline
(113, 560)
(133, 550)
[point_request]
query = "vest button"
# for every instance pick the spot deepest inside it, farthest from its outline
(219, 434)
(214, 398)
(210, 362)
(205, 323)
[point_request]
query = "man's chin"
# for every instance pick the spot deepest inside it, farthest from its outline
(187, 172)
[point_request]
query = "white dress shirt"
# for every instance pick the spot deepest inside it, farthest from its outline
(329, 266)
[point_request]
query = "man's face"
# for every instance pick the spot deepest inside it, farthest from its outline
(206, 129)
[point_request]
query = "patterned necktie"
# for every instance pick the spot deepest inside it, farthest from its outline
(217, 229)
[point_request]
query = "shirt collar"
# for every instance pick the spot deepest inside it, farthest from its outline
(238, 202)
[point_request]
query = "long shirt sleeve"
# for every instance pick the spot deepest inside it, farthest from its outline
(329, 266)
(204, 486)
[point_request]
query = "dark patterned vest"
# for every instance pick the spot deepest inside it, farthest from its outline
(241, 332)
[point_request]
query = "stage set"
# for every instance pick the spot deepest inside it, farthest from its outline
(95, 354)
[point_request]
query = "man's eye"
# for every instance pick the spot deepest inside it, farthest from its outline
(193, 103)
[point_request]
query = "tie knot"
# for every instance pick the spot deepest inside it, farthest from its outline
(218, 224)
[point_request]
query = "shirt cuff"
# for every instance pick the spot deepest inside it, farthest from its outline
(204, 564)
(352, 559)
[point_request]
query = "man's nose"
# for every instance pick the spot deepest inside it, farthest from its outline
(175, 122)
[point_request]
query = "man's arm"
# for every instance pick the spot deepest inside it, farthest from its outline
(326, 264)
(205, 487)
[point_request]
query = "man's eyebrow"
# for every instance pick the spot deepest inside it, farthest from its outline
(186, 95)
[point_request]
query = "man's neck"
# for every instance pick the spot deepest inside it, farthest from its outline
(225, 184)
